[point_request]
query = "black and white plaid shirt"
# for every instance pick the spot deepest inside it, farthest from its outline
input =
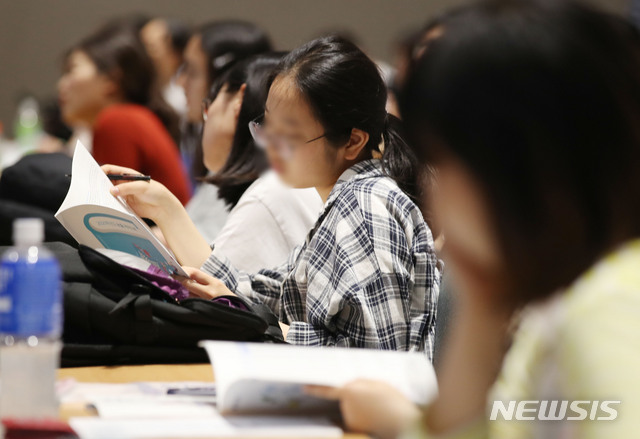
(366, 275)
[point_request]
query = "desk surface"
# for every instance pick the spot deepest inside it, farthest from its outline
(125, 374)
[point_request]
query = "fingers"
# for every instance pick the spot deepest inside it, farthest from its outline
(129, 188)
(199, 290)
(113, 169)
(198, 275)
(324, 392)
(202, 285)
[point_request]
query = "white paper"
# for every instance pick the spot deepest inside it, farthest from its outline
(96, 428)
(159, 407)
(97, 219)
(71, 391)
(253, 377)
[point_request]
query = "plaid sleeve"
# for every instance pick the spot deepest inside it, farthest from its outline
(262, 287)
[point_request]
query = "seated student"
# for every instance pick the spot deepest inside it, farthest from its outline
(108, 84)
(213, 48)
(268, 219)
(366, 275)
(165, 41)
(530, 112)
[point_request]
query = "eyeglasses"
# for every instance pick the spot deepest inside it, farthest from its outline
(283, 146)
(206, 103)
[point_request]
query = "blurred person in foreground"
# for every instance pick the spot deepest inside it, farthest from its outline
(529, 111)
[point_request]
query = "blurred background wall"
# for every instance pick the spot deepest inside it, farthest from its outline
(35, 33)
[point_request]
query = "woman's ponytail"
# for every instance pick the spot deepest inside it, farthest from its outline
(398, 159)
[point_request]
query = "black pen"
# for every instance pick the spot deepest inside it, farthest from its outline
(125, 177)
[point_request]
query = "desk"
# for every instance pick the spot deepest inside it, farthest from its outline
(125, 374)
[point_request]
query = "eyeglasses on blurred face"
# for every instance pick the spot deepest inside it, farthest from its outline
(284, 146)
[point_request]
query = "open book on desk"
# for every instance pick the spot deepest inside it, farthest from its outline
(97, 219)
(255, 378)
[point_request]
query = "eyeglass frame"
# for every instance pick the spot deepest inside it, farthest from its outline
(254, 134)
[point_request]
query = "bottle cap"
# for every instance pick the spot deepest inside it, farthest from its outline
(28, 231)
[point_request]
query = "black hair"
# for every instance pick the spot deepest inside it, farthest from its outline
(246, 162)
(52, 122)
(229, 41)
(345, 90)
(117, 51)
(225, 43)
(179, 34)
(540, 101)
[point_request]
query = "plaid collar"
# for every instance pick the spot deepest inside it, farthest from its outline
(371, 168)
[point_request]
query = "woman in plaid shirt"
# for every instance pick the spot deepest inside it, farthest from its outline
(366, 275)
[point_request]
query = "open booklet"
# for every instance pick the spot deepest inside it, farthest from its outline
(97, 219)
(254, 378)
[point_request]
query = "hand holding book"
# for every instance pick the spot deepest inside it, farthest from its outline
(152, 200)
(149, 199)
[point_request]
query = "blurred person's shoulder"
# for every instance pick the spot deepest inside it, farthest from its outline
(584, 340)
(127, 116)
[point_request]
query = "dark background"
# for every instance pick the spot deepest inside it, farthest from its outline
(35, 33)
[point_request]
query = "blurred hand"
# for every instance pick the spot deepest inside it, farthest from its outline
(149, 199)
(200, 284)
(285, 330)
(371, 407)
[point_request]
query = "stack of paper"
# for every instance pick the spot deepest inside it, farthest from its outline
(146, 410)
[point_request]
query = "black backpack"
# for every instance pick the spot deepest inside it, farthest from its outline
(34, 188)
(113, 315)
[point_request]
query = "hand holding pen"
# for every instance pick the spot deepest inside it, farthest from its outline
(125, 177)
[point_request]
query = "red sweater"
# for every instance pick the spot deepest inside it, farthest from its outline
(131, 135)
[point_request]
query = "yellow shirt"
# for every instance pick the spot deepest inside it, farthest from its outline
(580, 345)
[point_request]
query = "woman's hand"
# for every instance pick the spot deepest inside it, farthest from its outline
(149, 199)
(200, 284)
(152, 200)
(371, 407)
(285, 330)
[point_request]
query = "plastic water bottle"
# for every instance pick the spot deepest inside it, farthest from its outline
(30, 325)
(28, 126)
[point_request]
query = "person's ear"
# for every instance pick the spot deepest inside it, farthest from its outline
(237, 101)
(357, 141)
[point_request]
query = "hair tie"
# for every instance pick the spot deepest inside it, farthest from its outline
(219, 62)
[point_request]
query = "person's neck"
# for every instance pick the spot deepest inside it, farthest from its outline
(164, 81)
(325, 190)
(92, 121)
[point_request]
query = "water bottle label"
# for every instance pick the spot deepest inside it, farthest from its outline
(30, 298)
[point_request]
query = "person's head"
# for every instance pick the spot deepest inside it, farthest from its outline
(326, 111)
(165, 40)
(530, 113)
(236, 98)
(213, 48)
(110, 66)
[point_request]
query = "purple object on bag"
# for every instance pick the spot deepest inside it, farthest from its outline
(176, 290)
(231, 302)
(163, 281)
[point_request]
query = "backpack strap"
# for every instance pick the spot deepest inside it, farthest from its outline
(139, 300)
(273, 332)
